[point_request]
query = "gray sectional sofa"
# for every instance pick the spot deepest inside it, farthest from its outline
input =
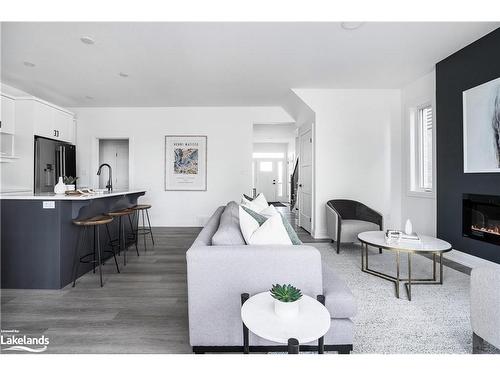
(219, 274)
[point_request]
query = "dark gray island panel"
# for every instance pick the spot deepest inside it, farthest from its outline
(38, 244)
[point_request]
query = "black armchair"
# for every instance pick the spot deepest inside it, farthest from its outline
(346, 218)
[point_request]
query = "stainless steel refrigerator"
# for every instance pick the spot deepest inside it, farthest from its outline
(52, 159)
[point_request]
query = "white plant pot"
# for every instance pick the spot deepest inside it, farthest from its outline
(71, 187)
(286, 309)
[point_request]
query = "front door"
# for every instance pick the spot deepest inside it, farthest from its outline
(305, 180)
(269, 179)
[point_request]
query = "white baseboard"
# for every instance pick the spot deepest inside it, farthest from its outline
(468, 260)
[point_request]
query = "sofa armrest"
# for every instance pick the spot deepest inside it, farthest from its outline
(217, 275)
(332, 222)
(339, 299)
(485, 303)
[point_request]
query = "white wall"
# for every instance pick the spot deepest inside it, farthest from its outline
(420, 208)
(357, 150)
(229, 132)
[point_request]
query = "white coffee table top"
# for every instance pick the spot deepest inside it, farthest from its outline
(426, 243)
(312, 322)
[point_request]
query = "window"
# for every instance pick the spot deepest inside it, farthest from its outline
(422, 145)
(266, 166)
(268, 155)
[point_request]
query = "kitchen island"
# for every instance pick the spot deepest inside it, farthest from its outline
(38, 237)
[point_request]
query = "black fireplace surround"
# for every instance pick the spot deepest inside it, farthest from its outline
(481, 217)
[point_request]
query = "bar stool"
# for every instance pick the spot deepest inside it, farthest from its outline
(95, 223)
(139, 209)
(122, 240)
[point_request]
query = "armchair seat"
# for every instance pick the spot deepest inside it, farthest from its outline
(351, 229)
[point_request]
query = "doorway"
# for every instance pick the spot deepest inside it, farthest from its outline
(115, 152)
(270, 171)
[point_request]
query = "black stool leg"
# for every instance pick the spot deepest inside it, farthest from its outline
(109, 239)
(149, 225)
(122, 240)
(76, 259)
(143, 230)
(293, 346)
(321, 340)
(134, 234)
(246, 345)
(99, 255)
(93, 256)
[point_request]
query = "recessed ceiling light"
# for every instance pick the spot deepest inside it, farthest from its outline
(124, 75)
(87, 40)
(29, 64)
(89, 97)
(351, 25)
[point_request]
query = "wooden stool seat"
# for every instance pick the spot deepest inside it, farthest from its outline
(126, 211)
(141, 207)
(96, 220)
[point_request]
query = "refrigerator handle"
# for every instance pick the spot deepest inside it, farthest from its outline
(64, 160)
(37, 167)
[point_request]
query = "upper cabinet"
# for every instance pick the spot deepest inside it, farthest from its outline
(51, 122)
(7, 115)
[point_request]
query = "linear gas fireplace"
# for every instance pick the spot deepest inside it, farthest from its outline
(481, 217)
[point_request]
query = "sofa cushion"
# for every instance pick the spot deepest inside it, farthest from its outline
(339, 299)
(351, 228)
(229, 232)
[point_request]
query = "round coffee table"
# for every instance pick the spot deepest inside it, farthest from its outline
(426, 245)
(311, 323)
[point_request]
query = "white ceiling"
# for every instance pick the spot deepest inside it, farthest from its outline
(219, 64)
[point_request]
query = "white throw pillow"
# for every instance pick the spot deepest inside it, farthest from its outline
(269, 211)
(258, 204)
(271, 232)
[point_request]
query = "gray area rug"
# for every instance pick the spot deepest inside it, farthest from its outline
(435, 321)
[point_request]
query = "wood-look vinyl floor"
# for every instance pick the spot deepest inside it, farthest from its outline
(141, 310)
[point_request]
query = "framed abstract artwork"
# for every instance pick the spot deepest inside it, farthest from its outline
(481, 109)
(186, 162)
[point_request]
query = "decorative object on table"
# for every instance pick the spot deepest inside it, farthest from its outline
(392, 235)
(481, 111)
(286, 300)
(408, 227)
(60, 187)
(345, 219)
(186, 162)
(70, 182)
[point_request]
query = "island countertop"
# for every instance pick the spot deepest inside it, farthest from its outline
(52, 196)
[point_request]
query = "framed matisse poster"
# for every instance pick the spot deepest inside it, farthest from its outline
(481, 106)
(186, 162)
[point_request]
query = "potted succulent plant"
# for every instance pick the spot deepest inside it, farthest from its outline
(286, 300)
(70, 182)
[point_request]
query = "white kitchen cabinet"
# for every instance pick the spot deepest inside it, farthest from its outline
(53, 123)
(8, 116)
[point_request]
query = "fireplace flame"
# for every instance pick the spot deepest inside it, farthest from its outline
(491, 229)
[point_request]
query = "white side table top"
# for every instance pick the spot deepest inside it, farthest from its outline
(426, 243)
(311, 323)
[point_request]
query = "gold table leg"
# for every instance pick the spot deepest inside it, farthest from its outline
(397, 274)
(409, 276)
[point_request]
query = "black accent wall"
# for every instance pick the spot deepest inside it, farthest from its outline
(473, 65)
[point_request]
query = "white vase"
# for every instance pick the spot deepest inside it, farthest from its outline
(408, 227)
(60, 187)
(286, 309)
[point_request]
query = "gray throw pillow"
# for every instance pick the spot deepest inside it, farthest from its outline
(294, 238)
(229, 232)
